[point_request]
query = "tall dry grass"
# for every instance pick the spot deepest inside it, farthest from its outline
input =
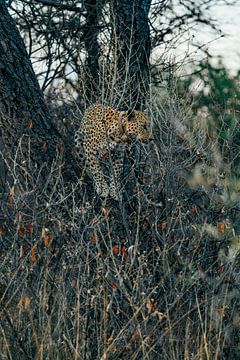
(154, 275)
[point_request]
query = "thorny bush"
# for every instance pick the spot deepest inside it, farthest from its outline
(153, 275)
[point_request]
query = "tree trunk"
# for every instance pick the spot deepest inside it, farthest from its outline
(90, 39)
(132, 39)
(25, 122)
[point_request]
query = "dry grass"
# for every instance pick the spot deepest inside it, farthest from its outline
(153, 276)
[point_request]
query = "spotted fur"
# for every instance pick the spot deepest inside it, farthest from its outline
(103, 129)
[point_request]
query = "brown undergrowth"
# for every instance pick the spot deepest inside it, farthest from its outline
(154, 275)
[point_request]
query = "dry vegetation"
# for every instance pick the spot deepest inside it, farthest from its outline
(154, 275)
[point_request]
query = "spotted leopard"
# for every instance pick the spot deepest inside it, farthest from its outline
(103, 129)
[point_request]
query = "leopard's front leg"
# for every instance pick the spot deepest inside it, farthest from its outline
(101, 186)
(117, 167)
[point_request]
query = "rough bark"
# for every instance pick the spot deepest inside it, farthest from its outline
(132, 38)
(24, 117)
(90, 39)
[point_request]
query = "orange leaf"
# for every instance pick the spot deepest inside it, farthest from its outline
(113, 285)
(164, 225)
(109, 340)
(94, 238)
(47, 240)
(27, 302)
(194, 209)
(22, 230)
(32, 256)
(124, 250)
(45, 236)
(115, 249)
(136, 336)
(30, 125)
(20, 303)
(30, 228)
(221, 227)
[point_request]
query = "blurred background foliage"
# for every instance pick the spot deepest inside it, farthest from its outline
(215, 93)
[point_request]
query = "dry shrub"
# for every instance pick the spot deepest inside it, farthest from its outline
(153, 275)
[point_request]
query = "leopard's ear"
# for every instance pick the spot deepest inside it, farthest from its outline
(130, 114)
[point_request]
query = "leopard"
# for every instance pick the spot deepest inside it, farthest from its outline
(103, 129)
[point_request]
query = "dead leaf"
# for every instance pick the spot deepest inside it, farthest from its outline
(94, 238)
(115, 249)
(221, 268)
(45, 236)
(160, 315)
(60, 148)
(30, 228)
(124, 251)
(148, 339)
(109, 340)
(47, 240)
(21, 230)
(2, 230)
(194, 209)
(136, 336)
(32, 256)
(20, 303)
(164, 225)
(221, 227)
(27, 302)
(151, 305)
(24, 302)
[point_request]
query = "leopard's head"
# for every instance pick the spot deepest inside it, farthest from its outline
(138, 125)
